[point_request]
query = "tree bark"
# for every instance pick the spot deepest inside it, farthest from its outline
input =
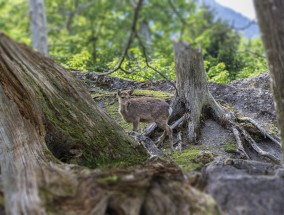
(194, 101)
(271, 22)
(38, 26)
(193, 94)
(42, 104)
(62, 108)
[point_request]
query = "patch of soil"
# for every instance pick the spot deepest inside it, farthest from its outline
(251, 97)
(214, 137)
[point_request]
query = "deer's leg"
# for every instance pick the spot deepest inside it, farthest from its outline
(135, 125)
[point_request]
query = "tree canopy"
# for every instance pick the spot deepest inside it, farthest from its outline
(91, 35)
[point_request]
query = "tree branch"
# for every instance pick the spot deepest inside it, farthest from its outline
(264, 133)
(131, 37)
(252, 52)
(149, 66)
(256, 147)
(183, 21)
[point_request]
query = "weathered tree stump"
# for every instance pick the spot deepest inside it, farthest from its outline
(195, 101)
(47, 115)
(193, 94)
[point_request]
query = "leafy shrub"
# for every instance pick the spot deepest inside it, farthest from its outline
(218, 73)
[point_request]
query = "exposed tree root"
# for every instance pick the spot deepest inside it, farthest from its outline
(195, 99)
(240, 148)
(225, 118)
(150, 129)
(256, 147)
(147, 143)
(179, 141)
(229, 120)
(262, 130)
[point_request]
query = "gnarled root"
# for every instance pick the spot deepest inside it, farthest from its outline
(262, 130)
(231, 122)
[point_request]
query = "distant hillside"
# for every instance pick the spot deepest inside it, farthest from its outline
(235, 19)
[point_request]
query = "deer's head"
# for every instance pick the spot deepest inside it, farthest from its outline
(124, 97)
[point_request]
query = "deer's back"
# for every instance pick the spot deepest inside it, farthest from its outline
(148, 109)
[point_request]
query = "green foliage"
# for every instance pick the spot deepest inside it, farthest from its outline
(218, 73)
(251, 54)
(14, 20)
(91, 35)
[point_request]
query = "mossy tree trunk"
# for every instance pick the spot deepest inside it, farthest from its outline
(44, 112)
(271, 22)
(65, 114)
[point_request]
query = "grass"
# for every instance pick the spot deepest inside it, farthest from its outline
(185, 159)
(230, 147)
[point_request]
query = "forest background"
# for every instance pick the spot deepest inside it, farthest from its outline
(90, 35)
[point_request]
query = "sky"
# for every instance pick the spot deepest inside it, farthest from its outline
(244, 7)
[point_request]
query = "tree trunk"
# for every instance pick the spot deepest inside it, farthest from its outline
(271, 22)
(42, 104)
(38, 26)
(193, 94)
(194, 101)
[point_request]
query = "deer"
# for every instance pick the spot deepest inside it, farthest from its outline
(145, 109)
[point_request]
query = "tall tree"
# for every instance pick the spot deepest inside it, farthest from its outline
(271, 22)
(38, 26)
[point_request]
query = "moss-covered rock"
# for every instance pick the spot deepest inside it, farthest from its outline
(204, 157)
(186, 159)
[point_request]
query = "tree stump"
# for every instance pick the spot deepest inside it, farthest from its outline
(41, 105)
(195, 101)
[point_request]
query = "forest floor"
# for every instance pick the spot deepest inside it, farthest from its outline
(249, 97)
(224, 172)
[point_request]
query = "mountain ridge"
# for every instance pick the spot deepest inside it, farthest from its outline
(248, 27)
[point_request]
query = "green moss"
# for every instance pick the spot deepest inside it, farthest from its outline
(271, 129)
(230, 147)
(102, 94)
(93, 161)
(157, 94)
(107, 180)
(2, 199)
(185, 159)
(66, 116)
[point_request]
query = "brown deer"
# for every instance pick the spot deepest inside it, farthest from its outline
(135, 110)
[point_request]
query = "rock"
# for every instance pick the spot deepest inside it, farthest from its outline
(245, 187)
(204, 157)
(251, 96)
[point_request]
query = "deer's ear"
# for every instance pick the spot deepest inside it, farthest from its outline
(130, 91)
(118, 92)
